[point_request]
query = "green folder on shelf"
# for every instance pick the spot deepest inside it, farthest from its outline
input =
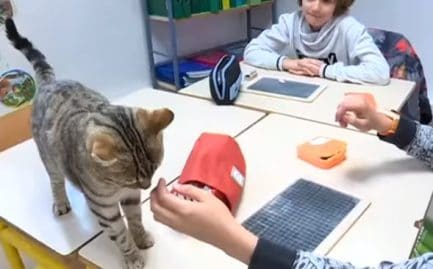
(181, 8)
(256, 2)
(238, 3)
(200, 6)
(215, 6)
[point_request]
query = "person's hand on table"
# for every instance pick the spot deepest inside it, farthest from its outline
(305, 67)
(202, 216)
(359, 110)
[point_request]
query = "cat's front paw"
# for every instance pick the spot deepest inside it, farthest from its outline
(144, 241)
(62, 208)
(134, 261)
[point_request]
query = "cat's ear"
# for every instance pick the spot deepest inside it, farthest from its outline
(102, 148)
(155, 120)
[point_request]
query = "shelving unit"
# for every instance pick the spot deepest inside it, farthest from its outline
(173, 54)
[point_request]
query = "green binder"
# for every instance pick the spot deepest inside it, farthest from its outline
(181, 8)
(200, 6)
(215, 6)
(255, 2)
(186, 4)
(238, 3)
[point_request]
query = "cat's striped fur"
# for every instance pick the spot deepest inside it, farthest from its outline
(110, 152)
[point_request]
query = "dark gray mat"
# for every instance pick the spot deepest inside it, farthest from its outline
(302, 216)
(284, 87)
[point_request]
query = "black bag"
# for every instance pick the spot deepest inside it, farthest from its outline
(225, 80)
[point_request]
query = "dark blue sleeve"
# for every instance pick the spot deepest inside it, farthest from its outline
(268, 255)
(404, 134)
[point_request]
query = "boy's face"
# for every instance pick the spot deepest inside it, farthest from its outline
(318, 12)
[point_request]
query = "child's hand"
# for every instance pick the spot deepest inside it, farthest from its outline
(357, 109)
(305, 67)
(200, 215)
(204, 217)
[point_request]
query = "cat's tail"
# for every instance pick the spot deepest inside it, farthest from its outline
(44, 72)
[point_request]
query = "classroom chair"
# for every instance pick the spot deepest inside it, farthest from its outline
(405, 64)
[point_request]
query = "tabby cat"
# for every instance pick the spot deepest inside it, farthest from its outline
(110, 152)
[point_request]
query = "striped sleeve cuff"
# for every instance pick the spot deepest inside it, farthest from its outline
(280, 61)
(323, 70)
(328, 71)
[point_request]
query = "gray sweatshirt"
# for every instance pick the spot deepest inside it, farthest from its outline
(343, 43)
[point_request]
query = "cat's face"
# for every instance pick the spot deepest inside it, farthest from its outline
(127, 151)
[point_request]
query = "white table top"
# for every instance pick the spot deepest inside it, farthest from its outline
(323, 108)
(374, 171)
(25, 195)
(192, 117)
(398, 186)
(26, 202)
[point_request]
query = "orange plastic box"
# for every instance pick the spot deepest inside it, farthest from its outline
(322, 152)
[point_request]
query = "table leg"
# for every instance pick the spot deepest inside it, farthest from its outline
(12, 256)
(11, 253)
(35, 251)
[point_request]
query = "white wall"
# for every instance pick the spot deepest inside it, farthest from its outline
(99, 42)
(411, 18)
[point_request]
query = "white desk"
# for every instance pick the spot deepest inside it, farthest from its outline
(323, 108)
(398, 186)
(374, 170)
(192, 117)
(26, 202)
(25, 195)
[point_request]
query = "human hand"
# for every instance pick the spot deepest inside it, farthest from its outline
(202, 216)
(359, 110)
(306, 66)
